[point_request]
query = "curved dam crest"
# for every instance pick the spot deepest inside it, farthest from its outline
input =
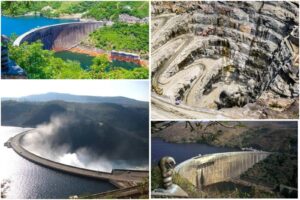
(59, 37)
(213, 168)
(116, 175)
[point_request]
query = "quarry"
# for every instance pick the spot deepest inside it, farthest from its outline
(225, 59)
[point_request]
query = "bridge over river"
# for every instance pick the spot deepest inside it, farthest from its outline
(119, 177)
(213, 168)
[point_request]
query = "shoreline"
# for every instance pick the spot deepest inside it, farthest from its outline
(92, 51)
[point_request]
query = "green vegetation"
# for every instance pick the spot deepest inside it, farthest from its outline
(279, 168)
(123, 37)
(112, 10)
(156, 179)
(42, 64)
(101, 69)
(98, 10)
(17, 8)
(266, 136)
(232, 190)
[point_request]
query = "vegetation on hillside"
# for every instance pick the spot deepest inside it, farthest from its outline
(102, 69)
(121, 36)
(228, 189)
(42, 64)
(98, 10)
(278, 168)
(267, 136)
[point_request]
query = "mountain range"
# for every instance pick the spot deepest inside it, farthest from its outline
(52, 96)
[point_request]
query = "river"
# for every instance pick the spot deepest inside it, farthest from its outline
(26, 180)
(85, 60)
(182, 151)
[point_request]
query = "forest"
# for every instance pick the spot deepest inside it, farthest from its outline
(91, 9)
(42, 64)
(121, 36)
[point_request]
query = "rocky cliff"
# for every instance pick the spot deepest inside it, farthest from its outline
(225, 55)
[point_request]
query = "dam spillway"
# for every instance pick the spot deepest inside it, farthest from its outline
(117, 176)
(60, 36)
(213, 168)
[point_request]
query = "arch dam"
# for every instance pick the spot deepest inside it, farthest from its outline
(213, 168)
(59, 37)
(119, 177)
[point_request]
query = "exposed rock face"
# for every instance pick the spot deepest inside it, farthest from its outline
(224, 54)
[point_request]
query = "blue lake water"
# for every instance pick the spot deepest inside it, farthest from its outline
(26, 180)
(182, 151)
(20, 25)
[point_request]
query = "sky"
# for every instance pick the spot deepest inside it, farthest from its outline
(134, 89)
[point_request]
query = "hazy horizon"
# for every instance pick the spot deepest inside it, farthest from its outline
(133, 89)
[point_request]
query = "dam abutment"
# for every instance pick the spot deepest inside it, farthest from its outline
(213, 168)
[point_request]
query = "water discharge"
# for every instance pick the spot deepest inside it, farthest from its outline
(25, 179)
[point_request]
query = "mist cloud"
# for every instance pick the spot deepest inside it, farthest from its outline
(83, 143)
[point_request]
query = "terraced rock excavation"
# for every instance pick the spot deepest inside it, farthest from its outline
(225, 59)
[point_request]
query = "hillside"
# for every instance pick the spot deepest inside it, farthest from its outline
(122, 37)
(275, 170)
(97, 10)
(268, 136)
(101, 130)
(52, 96)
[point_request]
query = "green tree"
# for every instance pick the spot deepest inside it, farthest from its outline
(121, 36)
(99, 67)
(42, 64)
(32, 58)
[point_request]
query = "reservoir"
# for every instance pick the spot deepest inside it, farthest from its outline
(20, 25)
(24, 179)
(182, 151)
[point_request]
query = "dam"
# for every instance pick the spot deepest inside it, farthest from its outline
(119, 177)
(59, 37)
(213, 168)
(66, 40)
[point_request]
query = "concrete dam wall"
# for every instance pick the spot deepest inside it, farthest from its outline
(116, 175)
(214, 168)
(61, 36)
